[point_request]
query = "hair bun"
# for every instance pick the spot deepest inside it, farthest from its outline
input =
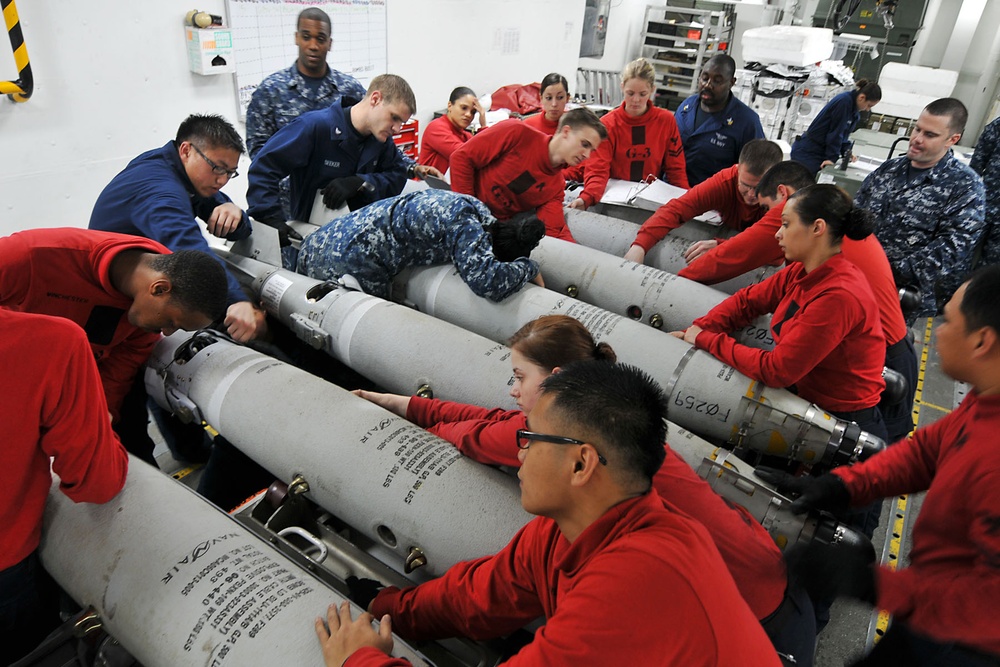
(605, 352)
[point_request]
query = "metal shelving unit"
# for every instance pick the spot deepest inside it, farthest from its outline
(678, 41)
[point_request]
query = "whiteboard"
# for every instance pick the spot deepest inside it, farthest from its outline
(264, 39)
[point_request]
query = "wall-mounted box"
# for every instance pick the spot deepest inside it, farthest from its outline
(210, 50)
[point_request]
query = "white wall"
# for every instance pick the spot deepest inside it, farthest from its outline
(964, 35)
(111, 81)
(437, 45)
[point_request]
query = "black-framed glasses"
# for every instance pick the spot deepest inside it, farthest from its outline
(524, 439)
(216, 169)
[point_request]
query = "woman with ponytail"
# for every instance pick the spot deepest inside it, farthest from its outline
(829, 347)
(538, 349)
(827, 137)
(444, 135)
(554, 96)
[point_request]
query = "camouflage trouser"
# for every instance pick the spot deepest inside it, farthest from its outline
(326, 263)
(989, 247)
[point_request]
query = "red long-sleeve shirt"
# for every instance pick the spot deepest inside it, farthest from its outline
(718, 193)
(508, 169)
(440, 139)
(641, 585)
(827, 334)
(950, 589)
(490, 436)
(757, 246)
(53, 408)
(635, 148)
(66, 272)
(542, 124)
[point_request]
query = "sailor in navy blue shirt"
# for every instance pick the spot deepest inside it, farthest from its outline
(346, 150)
(160, 193)
(714, 125)
(930, 207)
(827, 137)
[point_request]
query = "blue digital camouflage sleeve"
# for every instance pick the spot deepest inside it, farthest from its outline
(982, 158)
(262, 120)
(947, 258)
(486, 275)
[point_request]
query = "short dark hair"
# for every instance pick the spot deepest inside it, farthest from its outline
(198, 281)
(723, 62)
(759, 155)
(459, 93)
(836, 207)
(394, 89)
(871, 90)
(979, 305)
(617, 408)
(957, 114)
(789, 173)
(313, 14)
(552, 80)
(516, 237)
(552, 341)
(210, 130)
(582, 117)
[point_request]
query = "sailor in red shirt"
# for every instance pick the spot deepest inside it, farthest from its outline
(123, 290)
(643, 140)
(731, 193)
(513, 168)
(604, 551)
(555, 94)
(828, 337)
(443, 136)
(944, 602)
(542, 347)
(54, 417)
(757, 246)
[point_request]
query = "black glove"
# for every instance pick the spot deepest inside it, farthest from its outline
(826, 492)
(828, 571)
(340, 190)
(362, 591)
(285, 233)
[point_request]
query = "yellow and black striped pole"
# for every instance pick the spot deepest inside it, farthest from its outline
(19, 90)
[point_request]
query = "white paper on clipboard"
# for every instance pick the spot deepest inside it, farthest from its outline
(649, 196)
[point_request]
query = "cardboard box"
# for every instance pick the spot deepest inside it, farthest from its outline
(210, 50)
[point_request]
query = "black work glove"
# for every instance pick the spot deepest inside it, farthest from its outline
(826, 492)
(828, 571)
(285, 233)
(340, 190)
(362, 591)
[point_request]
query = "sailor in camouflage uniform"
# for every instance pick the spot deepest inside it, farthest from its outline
(929, 207)
(422, 228)
(307, 85)
(986, 162)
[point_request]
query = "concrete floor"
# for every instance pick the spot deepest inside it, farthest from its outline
(846, 636)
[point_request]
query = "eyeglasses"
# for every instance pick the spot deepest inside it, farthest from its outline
(524, 439)
(216, 169)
